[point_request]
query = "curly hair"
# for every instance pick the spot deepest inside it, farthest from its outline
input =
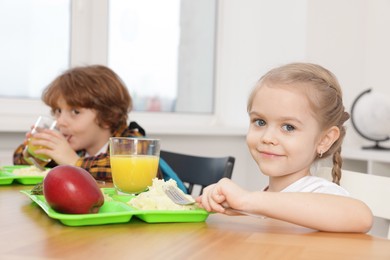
(94, 87)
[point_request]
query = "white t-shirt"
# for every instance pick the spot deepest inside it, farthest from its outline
(316, 184)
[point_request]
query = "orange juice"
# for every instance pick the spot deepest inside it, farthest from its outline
(133, 174)
(32, 148)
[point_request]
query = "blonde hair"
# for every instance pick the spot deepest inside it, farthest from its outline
(325, 98)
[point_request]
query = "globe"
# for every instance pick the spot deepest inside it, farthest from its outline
(370, 116)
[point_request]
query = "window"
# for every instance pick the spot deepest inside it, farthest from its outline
(35, 45)
(143, 49)
(163, 50)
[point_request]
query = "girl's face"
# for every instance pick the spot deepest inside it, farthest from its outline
(80, 128)
(283, 134)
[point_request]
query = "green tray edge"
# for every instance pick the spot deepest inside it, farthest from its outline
(24, 180)
(81, 219)
(148, 216)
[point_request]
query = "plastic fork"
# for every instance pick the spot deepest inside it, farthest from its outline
(179, 197)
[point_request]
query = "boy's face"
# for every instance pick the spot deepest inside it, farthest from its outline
(80, 128)
(283, 134)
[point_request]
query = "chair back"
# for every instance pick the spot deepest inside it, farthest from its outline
(198, 170)
(374, 190)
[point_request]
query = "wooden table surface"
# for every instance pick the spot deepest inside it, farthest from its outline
(26, 232)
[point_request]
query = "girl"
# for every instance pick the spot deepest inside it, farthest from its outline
(91, 104)
(296, 118)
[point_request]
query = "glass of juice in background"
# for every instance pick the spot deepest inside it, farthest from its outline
(134, 163)
(43, 122)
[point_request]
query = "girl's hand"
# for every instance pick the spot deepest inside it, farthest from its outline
(211, 199)
(221, 196)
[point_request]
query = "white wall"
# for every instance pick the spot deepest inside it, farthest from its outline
(350, 37)
(253, 37)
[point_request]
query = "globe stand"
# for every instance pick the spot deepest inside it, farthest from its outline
(377, 145)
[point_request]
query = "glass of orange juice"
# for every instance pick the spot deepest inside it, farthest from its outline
(43, 122)
(134, 163)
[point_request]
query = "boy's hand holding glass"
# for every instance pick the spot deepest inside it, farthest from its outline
(43, 122)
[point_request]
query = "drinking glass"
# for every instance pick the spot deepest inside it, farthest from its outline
(134, 163)
(43, 122)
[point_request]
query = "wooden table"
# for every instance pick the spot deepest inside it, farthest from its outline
(26, 232)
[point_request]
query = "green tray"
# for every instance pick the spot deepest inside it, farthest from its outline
(118, 211)
(7, 177)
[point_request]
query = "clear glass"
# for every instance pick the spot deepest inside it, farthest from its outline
(134, 163)
(43, 122)
(35, 46)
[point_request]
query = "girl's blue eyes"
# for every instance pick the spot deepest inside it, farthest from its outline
(286, 127)
(259, 122)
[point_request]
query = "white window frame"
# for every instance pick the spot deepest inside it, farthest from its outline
(89, 46)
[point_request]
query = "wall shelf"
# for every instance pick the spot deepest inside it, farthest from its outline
(368, 161)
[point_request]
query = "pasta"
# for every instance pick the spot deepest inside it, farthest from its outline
(156, 199)
(30, 171)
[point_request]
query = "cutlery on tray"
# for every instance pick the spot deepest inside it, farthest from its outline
(179, 197)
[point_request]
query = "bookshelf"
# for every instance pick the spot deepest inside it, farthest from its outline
(369, 161)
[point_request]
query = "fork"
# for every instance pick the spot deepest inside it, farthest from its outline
(179, 197)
